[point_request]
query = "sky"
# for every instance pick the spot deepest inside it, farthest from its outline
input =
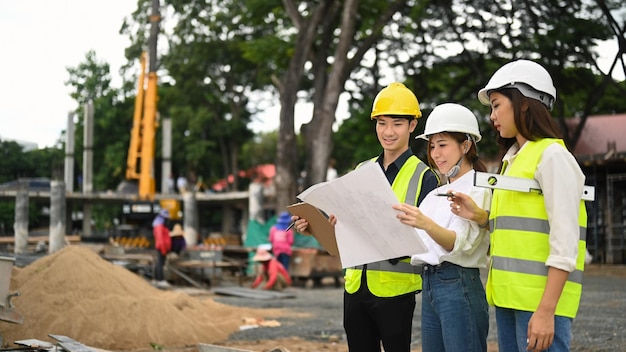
(41, 38)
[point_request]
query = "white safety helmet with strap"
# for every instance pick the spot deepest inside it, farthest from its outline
(530, 78)
(450, 117)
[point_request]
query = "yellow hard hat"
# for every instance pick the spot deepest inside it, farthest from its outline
(396, 99)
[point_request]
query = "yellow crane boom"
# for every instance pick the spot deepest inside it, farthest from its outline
(140, 161)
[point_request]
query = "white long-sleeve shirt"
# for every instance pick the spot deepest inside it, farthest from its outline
(561, 181)
(472, 242)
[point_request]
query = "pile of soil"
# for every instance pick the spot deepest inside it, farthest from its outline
(76, 293)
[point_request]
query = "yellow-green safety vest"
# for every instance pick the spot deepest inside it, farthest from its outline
(383, 278)
(520, 243)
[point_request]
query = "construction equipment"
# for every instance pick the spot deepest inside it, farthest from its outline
(141, 151)
(139, 165)
(7, 313)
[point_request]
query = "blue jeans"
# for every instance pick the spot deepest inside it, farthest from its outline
(455, 313)
(283, 258)
(513, 331)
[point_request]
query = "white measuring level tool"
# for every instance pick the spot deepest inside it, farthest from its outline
(519, 184)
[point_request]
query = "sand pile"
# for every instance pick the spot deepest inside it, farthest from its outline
(75, 293)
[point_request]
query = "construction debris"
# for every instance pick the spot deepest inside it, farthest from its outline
(74, 292)
(251, 293)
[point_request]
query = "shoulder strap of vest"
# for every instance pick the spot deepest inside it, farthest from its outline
(530, 155)
(414, 184)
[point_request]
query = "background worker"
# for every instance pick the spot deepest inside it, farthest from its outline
(537, 239)
(162, 244)
(455, 313)
(177, 236)
(271, 274)
(379, 298)
(331, 171)
(281, 239)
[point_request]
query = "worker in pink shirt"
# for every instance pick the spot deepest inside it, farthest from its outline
(271, 272)
(281, 238)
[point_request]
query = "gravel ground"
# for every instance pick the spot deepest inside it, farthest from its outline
(600, 325)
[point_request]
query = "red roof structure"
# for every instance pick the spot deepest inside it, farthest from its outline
(264, 173)
(603, 136)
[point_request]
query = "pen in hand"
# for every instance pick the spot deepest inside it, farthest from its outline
(290, 226)
(444, 194)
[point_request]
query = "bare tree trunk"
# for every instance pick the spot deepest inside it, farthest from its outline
(318, 133)
(286, 146)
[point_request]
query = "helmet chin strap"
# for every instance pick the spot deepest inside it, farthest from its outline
(456, 168)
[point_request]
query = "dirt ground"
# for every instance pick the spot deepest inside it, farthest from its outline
(77, 294)
(598, 327)
(297, 344)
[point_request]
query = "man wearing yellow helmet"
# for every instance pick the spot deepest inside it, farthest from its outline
(379, 298)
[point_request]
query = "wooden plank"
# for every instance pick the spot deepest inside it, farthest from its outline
(213, 348)
(70, 344)
(185, 276)
(34, 343)
(36, 239)
(251, 293)
(198, 264)
(139, 257)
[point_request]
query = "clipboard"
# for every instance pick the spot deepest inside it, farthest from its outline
(319, 226)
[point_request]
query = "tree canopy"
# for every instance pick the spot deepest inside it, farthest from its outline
(219, 55)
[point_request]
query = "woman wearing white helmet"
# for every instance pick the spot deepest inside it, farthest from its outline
(455, 313)
(537, 239)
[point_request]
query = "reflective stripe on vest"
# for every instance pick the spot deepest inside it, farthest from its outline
(530, 224)
(530, 267)
(520, 243)
(415, 183)
(383, 278)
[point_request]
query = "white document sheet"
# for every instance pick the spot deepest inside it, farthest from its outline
(367, 229)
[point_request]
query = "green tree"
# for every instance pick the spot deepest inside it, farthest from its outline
(17, 164)
(90, 81)
(205, 83)
(444, 51)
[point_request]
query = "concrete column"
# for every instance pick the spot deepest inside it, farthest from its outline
(57, 216)
(88, 166)
(69, 154)
(190, 218)
(88, 149)
(21, 220)
(255, 202)
(228, 219)
(166, 164)
(243, 224)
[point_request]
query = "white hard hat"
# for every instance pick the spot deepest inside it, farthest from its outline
(530, 78)
(450, 117)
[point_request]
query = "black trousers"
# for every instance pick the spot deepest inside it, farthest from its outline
(369, 320)
(158, 266)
